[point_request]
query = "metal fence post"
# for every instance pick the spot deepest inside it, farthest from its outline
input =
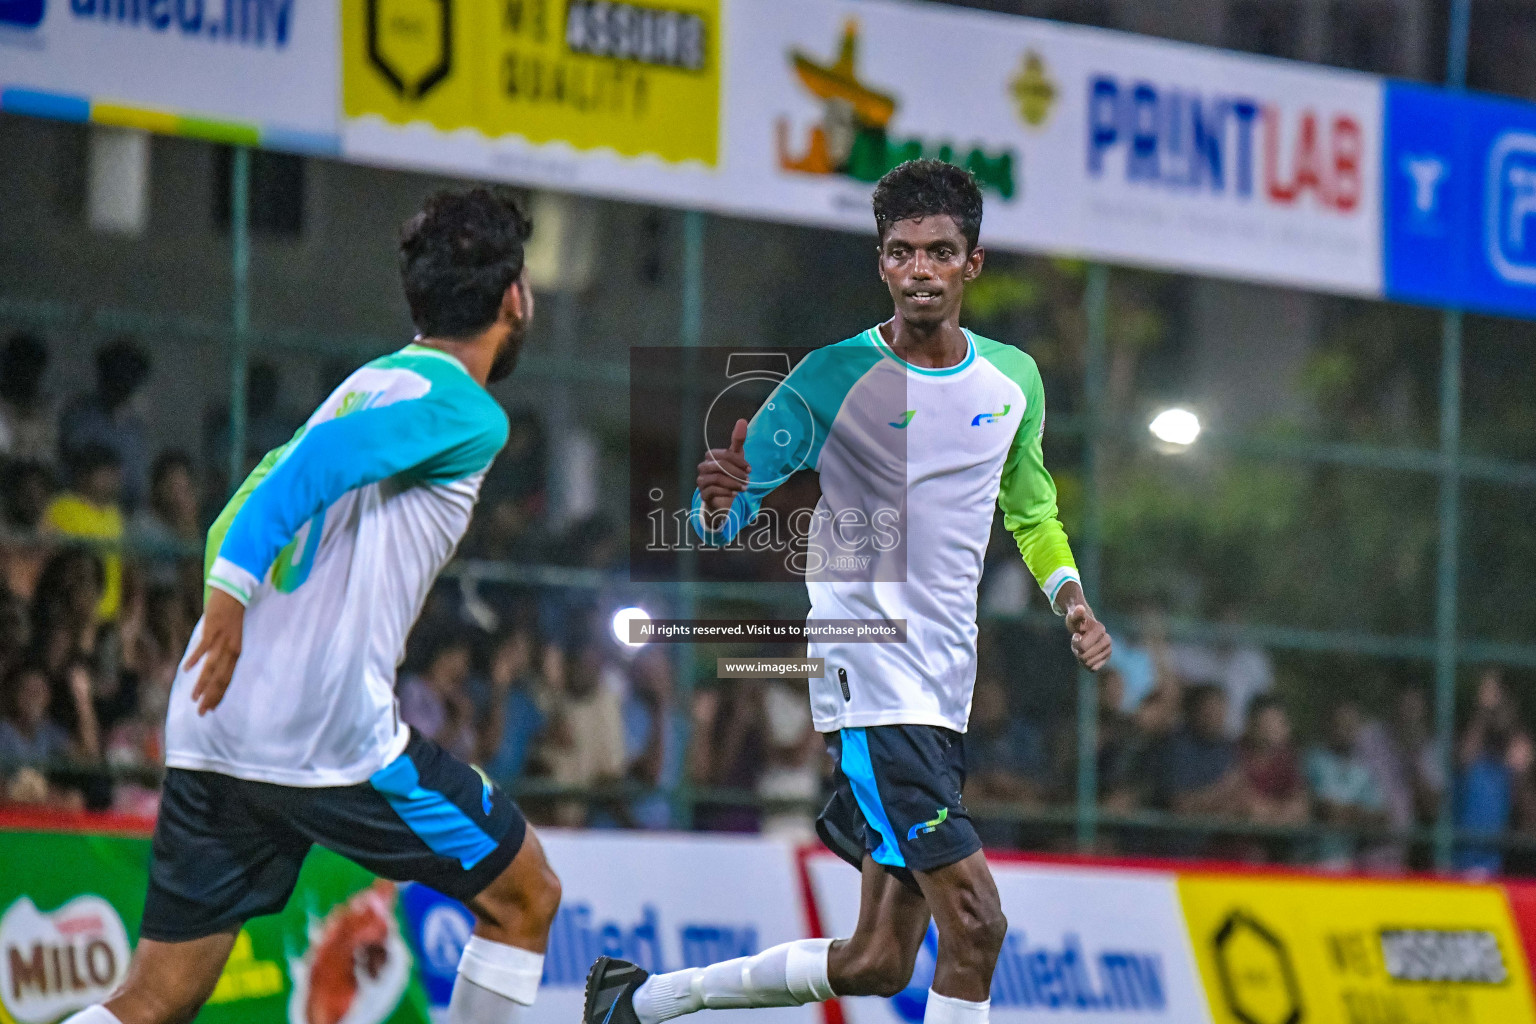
(240, 268)
(691, 336)
(1447, 581)
(1090, 554)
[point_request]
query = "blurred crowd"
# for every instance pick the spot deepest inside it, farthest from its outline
(101, 535)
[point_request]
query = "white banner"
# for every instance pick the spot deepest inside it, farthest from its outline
(1087, 141)
(261, 71)
(666, 902)
(1089, 945)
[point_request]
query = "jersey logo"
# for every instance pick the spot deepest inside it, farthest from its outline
(906, 418)
(842, 679)
(989, 417)
(928, 826)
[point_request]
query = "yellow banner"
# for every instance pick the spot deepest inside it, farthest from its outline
(635, 78)
(1315, 951)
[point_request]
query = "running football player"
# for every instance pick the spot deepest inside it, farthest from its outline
(283, 730)
(923, 418)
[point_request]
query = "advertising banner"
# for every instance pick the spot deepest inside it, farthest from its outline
(615, 98)
(632, 80)
(1087, 141)
(663, 901)
(1460, 200)
(1089, 945)
(1300, 949)
(254, 72)
(69, 916)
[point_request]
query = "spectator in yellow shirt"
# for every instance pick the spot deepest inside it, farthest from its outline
(89, 511)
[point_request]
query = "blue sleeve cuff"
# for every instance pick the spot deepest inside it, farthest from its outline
(737, 517)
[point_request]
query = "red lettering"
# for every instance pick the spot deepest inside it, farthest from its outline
(1305, 168)
(1347, 148)
(58, 968)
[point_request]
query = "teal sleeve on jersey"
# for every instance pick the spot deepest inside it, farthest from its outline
(445, 435)
(787, 432)
(1027, 494)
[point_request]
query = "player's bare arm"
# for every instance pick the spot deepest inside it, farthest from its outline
(218, 649)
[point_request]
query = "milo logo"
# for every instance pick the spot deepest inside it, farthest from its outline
(55, 963)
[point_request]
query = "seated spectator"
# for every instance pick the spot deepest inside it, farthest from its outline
(171, 525)
(585, 746)
(1117, 738)
(516, 709)
(28, 737)
(27, 428)
(1493, 758)
(1201, 775)
(1006, 759)
(266, 425)
(32, 745)
(14, 629)
(1343, 791)
(108, 417)
(435, 702)
(796, 754)
(89, 511)
(1243, 671)
(1399, 751)
(1272, 767)
(66, 631)
(26, 491)
(729, 741)
(655, 737)
(1135, 783)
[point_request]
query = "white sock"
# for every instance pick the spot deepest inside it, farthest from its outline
(786, 975)
(949, 1010)
(495, 983)
(97, 1014)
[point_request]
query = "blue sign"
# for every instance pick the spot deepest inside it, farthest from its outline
(21, 13)
(1460, 196)
(438, 929)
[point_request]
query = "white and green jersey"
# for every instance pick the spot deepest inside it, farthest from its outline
(918, 458)
(332, 543)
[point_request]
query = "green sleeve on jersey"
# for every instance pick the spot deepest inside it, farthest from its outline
(1027, 494)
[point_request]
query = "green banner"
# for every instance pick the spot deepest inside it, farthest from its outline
(70, 905)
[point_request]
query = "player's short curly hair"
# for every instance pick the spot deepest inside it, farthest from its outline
(458, 256)
(924, 188)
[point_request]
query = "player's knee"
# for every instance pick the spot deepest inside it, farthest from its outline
(542, 900)
(528, 900)
(169, 1004)
(982, 925)
(881, 971)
